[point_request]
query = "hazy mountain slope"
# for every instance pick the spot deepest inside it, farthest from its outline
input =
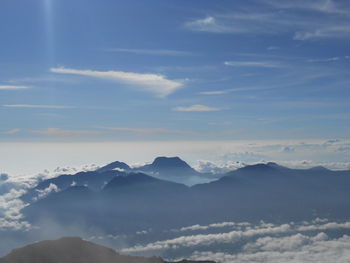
(125, 204)
(273, 192)
(70, 250)
(92, 179)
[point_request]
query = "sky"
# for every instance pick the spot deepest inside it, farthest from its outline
(104, 73)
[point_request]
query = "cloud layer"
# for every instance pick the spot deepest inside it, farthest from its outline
(310, 241)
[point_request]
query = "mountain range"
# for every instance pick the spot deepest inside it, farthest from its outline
(120, 199)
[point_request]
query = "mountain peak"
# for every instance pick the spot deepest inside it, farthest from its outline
(130, 179)
(114, 165)
(319, 168)
(169, 162)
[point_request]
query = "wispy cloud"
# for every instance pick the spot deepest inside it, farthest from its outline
(145, 131)
(332, 31)
(331, 59)
(61, 132)
(294, 248)
(222, 92)
(209, 239)
(165, 52)
(326, 19)
(215, 225)
(37, 106)
(253, 243)
(196, 107)
(12, 131)
(215, 92)
(158, 85)
(13, 87)
(320, 6)
(259, 64)
(209, 24)
(271, 48)
(43, 78)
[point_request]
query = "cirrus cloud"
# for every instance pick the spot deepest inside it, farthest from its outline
(260, 64)
(12, 131)
(147, 130)
(61, 132)
(37, 106)
(13, 87)
(196, 107)
(156, 84)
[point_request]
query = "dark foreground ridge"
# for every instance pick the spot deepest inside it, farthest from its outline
(75, 250)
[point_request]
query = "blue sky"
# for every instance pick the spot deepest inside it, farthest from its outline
(103, 70)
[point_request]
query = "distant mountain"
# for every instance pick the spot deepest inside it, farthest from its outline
(135, 201)
(273, 192)
(73, 250)
(167, 168)
(168, 164)
(126, 203)
(175, 169)
(92, 179)
(140, 184)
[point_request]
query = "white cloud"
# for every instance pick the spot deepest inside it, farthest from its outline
(326, 59)
(61, 132)
(45, 192)
(196, 107)
(262, 243)
(260, 64)
(208, 24)
(326, 19)
(147, 130)
(322, 6)
(287, 243)
(33, 106)
(216, 92)
(209, 239)
(296, 248)
(222, 92)
(215, 225)
(327, 226)
(165, 52)
(13, 87)
(272, 48)
(158, 85)
(206, 166)
(325, 32)
(12, 131)
(10, 207)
